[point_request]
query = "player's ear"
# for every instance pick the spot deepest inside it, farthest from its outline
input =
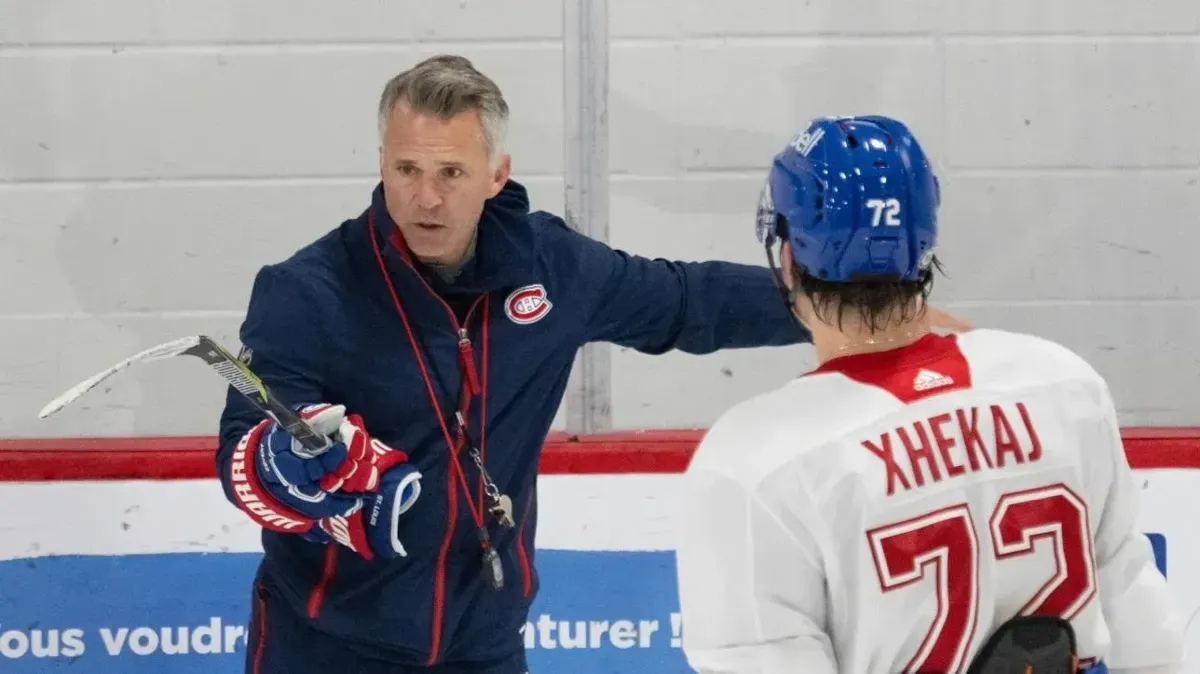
(786, 266)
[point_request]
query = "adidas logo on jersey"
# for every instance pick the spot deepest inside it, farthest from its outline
(928, 379)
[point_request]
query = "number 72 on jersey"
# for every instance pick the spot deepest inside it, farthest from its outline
(945, 542)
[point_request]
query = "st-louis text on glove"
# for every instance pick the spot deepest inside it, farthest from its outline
(354, 493)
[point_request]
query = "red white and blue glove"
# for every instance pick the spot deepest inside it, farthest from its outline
(353, 494)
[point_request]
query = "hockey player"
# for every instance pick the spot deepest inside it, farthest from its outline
(918, 503)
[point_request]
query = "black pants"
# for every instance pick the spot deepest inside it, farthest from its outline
(281, 642)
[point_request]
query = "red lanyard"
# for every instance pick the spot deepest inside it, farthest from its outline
(471, 382)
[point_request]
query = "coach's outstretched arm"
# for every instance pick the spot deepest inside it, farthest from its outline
(656, 305)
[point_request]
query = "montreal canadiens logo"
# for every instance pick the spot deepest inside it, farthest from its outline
(527, 305)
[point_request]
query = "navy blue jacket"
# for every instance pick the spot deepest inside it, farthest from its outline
(323, 327)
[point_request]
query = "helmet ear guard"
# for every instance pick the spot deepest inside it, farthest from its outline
(771, 228)
(767, 227)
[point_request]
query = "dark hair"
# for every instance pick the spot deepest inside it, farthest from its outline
(876, 301)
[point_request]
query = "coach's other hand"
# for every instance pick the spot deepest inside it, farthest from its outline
(284, 488)
(371, 528)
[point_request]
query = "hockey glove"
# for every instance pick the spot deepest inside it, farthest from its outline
(1036, 643)
(284, 488)
(371, 526)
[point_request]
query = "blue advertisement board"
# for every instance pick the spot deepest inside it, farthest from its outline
(186, 613)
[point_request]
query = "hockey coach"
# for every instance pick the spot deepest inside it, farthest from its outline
(431, 338)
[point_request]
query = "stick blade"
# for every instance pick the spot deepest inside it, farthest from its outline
(164, 350)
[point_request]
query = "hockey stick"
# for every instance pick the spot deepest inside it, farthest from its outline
(228, 366)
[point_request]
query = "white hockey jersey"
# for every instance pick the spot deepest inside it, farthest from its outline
(886, 512)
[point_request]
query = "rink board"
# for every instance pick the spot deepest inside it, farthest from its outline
(96, 576)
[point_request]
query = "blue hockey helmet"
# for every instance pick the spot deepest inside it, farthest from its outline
(856, 198)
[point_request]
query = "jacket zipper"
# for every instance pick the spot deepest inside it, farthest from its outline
(466, 358)
(470, 373)
(467, 364)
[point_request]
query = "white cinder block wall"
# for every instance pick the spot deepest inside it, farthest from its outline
(153, 153)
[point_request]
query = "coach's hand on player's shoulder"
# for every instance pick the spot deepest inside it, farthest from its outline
(352, 494)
